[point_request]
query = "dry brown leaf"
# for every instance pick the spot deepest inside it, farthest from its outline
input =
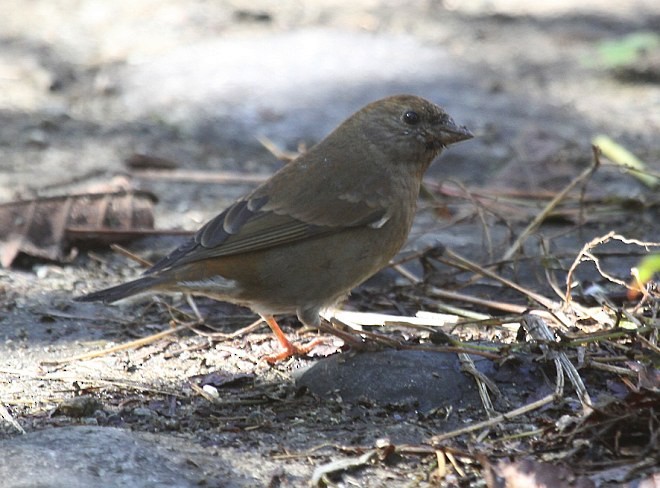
(46, 227)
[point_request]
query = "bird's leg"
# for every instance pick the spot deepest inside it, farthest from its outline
(290, 349)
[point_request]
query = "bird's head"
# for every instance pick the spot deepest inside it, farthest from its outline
(408, 127)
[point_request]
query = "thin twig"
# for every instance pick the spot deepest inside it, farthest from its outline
(585, 251)
(540, 299)
(613, 369)
(452, 295)
(130, 255)
(219, 336)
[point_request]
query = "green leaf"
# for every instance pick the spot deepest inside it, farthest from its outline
(621, 156)
(647, 267)
(626, 50)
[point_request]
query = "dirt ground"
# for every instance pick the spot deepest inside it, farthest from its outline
(87, 85)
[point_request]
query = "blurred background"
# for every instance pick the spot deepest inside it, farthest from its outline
(84, 85)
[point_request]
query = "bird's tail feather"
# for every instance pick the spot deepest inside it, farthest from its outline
(125, 290)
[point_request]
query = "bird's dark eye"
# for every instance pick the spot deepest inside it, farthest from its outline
(411, 117)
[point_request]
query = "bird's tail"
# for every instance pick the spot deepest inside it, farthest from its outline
(125, 290)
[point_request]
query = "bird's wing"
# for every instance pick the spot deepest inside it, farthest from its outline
(255, 224)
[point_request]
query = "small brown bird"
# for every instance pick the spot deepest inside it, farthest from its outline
(318, 227)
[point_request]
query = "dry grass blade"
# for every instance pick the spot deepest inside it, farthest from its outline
(484, 384)
(454, 463)
(536, 222)
(4, 413)
(380, 319)
(351, 331)
(121, 347)
(441, 471)
(97, 382)
(319, 477)
(538, 329)
(210, 177)
(278, 152)
(550, 305)
(437, 439)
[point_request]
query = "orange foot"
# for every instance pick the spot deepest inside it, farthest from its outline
(290, 349)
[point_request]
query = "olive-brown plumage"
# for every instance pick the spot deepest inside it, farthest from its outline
(319, 226)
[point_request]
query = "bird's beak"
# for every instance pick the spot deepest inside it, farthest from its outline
(451, 133)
